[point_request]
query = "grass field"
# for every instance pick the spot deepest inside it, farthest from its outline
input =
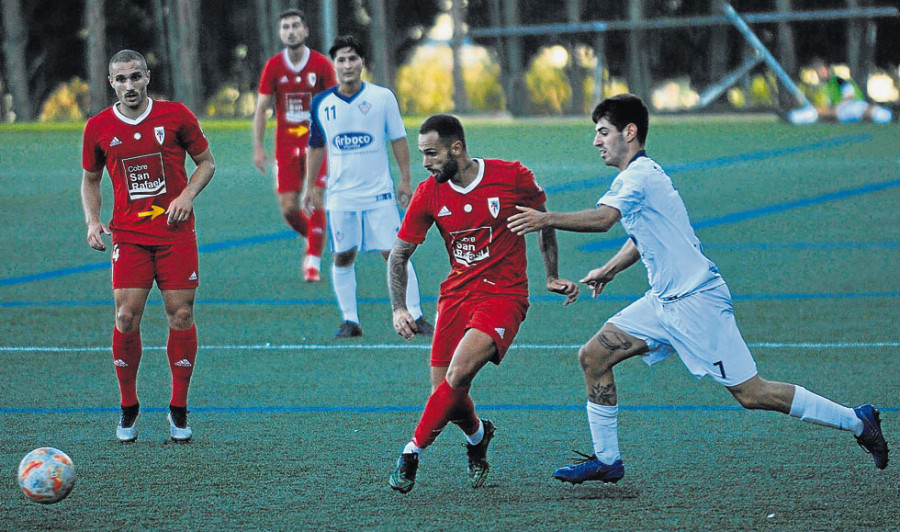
(296, 431)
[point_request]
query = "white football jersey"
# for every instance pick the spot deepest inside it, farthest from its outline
(355, 131)
(655, 218)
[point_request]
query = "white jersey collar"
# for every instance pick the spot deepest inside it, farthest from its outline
(474, 182)
(303, 60)
(133, 121)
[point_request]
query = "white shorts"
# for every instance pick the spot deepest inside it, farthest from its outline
(700, 327)
(370, 230)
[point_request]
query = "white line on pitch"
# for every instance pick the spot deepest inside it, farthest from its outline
(422, 347)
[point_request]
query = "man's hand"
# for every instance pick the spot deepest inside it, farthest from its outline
(260, 159)
(312, 199)
(527, 221)
(180, 209)
(597, 280)
(95, 234)
(404, 323)
(404, 194)
(564, 287)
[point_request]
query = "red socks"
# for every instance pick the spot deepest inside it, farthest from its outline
(445, 403)
(316, 238)
(127, 349)
(181, 349)
(313, 228)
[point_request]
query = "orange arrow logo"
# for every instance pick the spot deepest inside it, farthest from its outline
(154, 211)
(298, 131)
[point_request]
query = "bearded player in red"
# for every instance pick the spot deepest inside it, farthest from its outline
(484, 299)
(292, 78)
(142, 143)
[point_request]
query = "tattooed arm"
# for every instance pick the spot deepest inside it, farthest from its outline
(404, 323)
(550, 254)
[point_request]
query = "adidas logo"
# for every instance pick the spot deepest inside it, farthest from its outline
(183, 363)
(115, 142)
(444, 211)
(193, 276)
(119, 363)
(501, 331)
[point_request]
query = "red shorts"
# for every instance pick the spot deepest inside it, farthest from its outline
(290, 169)
(497, 315)
(173, 267)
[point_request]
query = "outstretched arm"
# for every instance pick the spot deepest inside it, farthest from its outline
(550, 253)
(598, 278)
(404, 323)
(598, 220)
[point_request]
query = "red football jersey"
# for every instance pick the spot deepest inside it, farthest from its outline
(145, 160)
(484, 254)
(294, 87)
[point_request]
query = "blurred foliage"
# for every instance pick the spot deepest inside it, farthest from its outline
(229, 102)
(548, 86)
(69, 101)
(425, 83)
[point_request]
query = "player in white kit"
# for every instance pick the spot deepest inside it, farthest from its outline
(354, 122)
(687, 310)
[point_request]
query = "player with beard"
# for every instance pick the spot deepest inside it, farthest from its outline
(484, 299)
(292, 78)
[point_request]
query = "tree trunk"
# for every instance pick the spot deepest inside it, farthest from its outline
(574, 70)
(516, 92)
(264, 28)
(187, 68)
(460, 98)
(637, 52)
(379, 50)
(15, 39)
(718, 52)
(787, 51)
(97, 69)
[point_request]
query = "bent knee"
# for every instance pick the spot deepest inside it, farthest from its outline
(592, 357)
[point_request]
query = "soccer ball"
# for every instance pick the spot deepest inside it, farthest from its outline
(46, 475)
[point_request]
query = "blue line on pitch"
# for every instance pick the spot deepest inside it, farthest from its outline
(577, 185)
(379, 409)
(718, 162)
(534, 298)
(762, 211)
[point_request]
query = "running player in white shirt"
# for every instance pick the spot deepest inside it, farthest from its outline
(687, 310)
(354, 121)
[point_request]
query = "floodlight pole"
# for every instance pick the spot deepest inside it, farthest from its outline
(769, 59)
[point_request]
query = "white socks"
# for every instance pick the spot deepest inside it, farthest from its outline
(476, 438)
(413, 301)
(412, 448)
(603, 421)
(816, 409)
(344, 281)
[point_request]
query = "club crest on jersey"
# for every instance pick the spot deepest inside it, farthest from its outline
(160, 133)
(312, 78)
(494, 206)
(365, 107)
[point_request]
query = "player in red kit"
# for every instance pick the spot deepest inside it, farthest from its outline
(292, 78)
(484, 299)
(142, 143)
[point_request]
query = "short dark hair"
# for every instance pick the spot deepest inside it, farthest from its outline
(622, 110)
(448, 128)
(127, 56)
(287, 13)
(346, 41)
